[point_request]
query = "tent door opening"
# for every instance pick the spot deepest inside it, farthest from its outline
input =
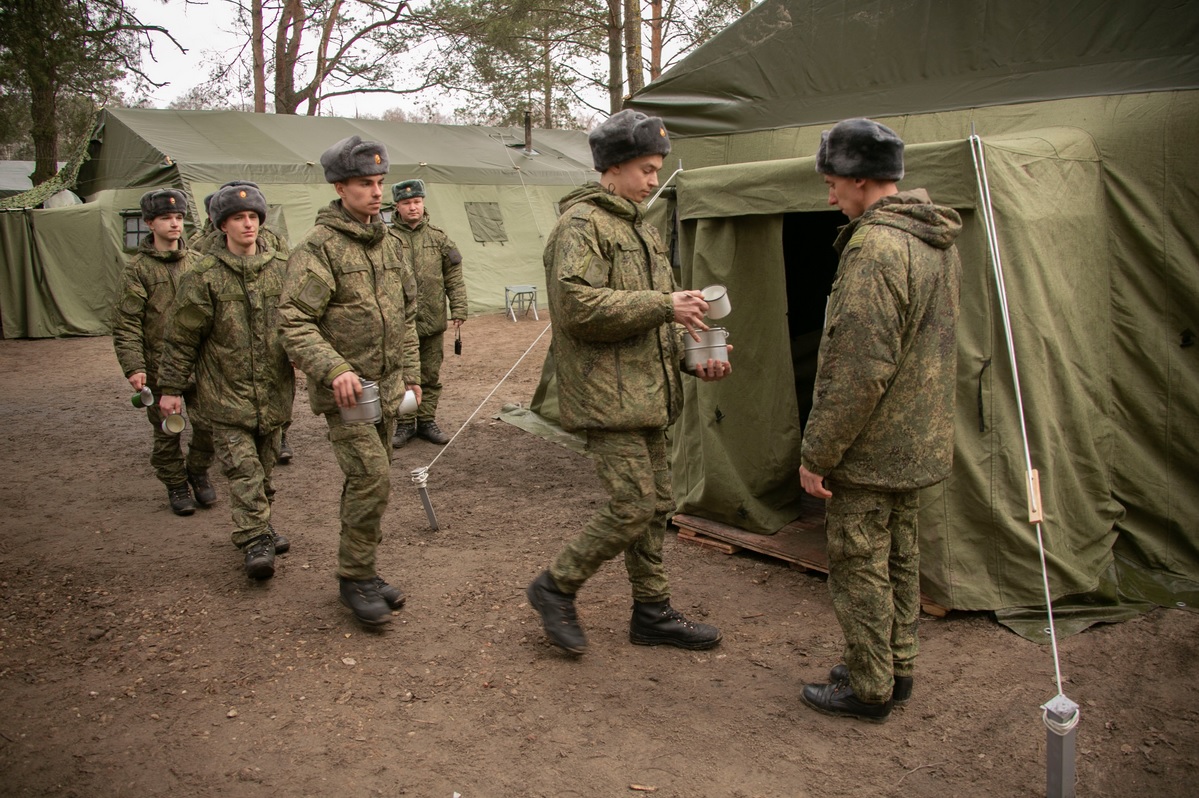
(810, 265)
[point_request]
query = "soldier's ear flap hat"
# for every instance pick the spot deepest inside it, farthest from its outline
(861, 148)
(235, 199)
(161, 202)
(627, 135)
(408, 189)
(354, 157)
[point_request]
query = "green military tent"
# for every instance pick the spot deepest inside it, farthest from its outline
(493, 194)
(1087, 113)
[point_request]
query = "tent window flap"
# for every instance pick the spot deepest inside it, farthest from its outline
(486, 222)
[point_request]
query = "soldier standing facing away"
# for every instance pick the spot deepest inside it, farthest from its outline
(881, 426)
(350, 312)
(151, 279)
(612, 297)
(438, 268)
(224, 328)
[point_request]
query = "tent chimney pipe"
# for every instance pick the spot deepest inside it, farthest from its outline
(528, 132)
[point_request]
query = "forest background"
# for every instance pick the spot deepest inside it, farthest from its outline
(568, 63)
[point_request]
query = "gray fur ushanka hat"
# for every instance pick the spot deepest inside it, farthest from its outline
(229, 200)
(626, 135)
(208, 199)
(408, 189)
(162, 201)
(354, 157)
(860, 148)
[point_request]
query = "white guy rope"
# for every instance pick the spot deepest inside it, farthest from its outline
(988, 214)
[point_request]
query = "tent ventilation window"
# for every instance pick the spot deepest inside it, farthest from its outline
(135, 228)
(486, 222)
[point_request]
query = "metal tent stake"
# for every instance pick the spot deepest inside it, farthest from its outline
(1061, 720)
(420, 478)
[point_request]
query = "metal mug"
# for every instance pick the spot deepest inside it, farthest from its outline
(717, 297)
(367, 410)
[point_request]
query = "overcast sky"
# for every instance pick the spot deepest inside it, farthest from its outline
(200, 28)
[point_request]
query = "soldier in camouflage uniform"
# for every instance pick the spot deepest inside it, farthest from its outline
(881, 426)
(438, 268)
(617, 354)
(150, 282)
(350, 313)
(224, 327)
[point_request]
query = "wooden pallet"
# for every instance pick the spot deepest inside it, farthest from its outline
(800, 543)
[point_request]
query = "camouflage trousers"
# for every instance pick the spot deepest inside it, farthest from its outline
(364, 453)
(167, 458)
(874, 581)
(247, 458)
(636, 473)
(432, 353)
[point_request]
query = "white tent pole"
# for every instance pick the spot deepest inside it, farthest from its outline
(1059, 714)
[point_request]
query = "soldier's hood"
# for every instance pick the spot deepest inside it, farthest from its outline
(597, 195)
(245, 265)
(146, 247)
(914, 212)
(335, 217)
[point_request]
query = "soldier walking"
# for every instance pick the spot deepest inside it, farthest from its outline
(150, 281)
(881, 426)
(612, 297)
(349, 315)
(224, 329)
(438, 268)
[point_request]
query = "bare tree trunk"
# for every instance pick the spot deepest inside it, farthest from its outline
(632, 45)
(655, 40)
(547, 79)
(258, 56)
(615, 75)
(287, 56)
(43, 109)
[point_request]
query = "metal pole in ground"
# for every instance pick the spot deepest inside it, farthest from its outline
(1061, 720)
(420, 478)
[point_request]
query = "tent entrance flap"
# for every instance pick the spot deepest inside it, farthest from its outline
(810, 264)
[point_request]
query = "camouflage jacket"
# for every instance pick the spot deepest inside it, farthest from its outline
(351, 306)
(884, 399)
(609, 283)
(224, 322)
(211, 238)
(140, 317)
(438, 268)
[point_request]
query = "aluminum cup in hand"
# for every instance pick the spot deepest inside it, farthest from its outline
(717, 297)
(173, 424)
(143, 398)
(408, 403)
(367, 410)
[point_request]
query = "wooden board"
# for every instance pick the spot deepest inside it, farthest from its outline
(801, 542)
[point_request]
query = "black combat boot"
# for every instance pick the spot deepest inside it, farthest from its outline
(900, 695)
(431, 432)
(363, 599)
(260, 557)
(838, 699)
(394, 597)
(180, 497)
(282, 544)
(403, 434)
(202, 489)
(558, 614)
(657, 623)
(285, 452)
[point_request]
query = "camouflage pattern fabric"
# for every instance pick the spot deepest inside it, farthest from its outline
(635, 471)
(247, 458)
(211, 239)
(363, 451)
(139, 320)
(884, 399)
(351, 306)
(224, 325)
(437, 265)
(432, 353)
(166, 456)
(609, 285)
(874, 582)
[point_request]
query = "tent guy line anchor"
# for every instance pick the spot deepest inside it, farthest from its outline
(1060, 714)
(420, 476)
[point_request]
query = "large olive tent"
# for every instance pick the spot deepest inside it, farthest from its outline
(495, 200)
(1087, 112)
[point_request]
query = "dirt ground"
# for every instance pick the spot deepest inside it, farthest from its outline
(137, 660)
